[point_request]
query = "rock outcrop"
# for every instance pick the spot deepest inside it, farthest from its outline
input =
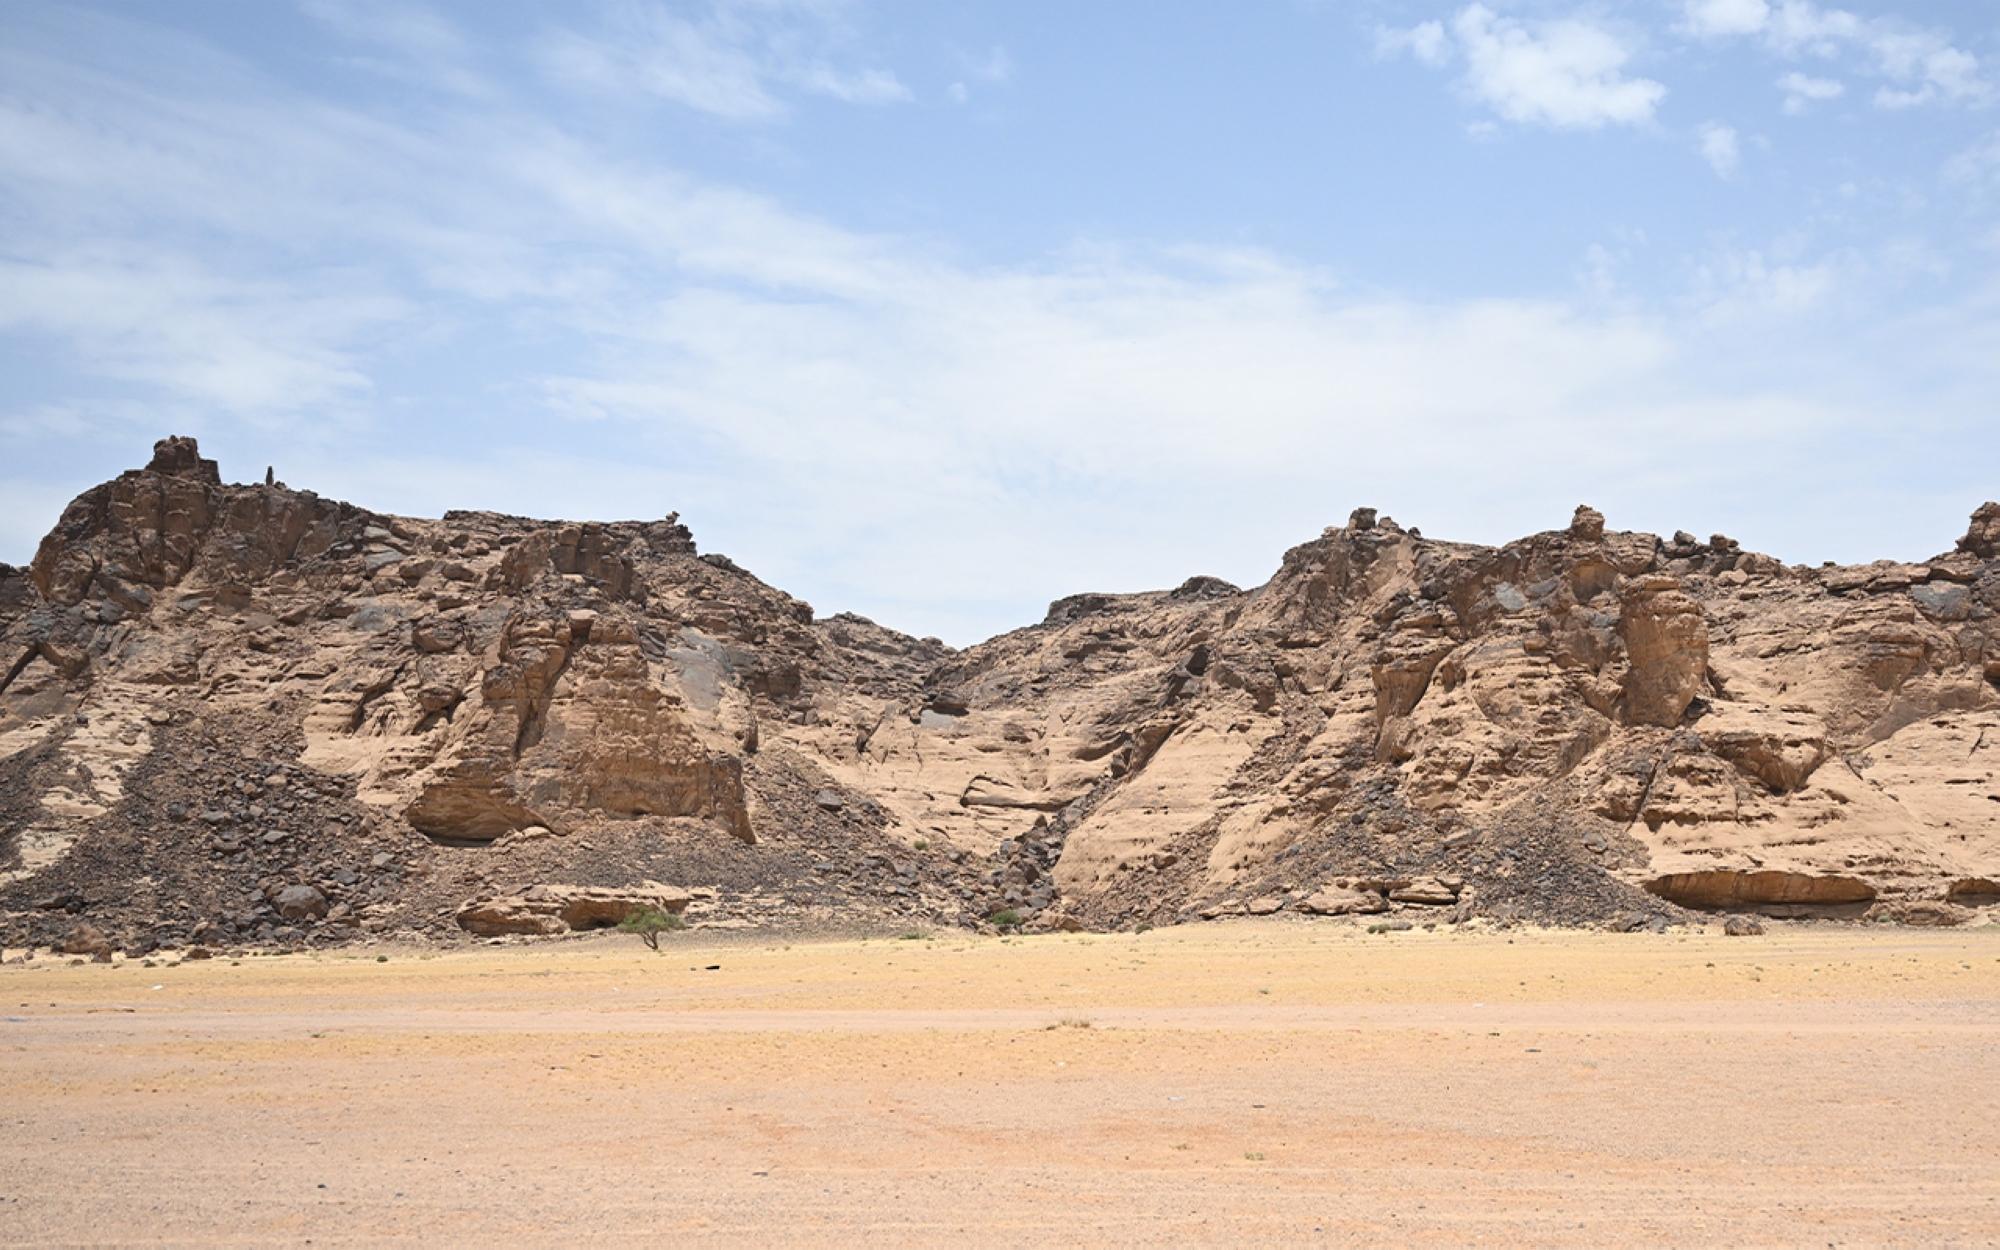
(550, 909)
(238, 713)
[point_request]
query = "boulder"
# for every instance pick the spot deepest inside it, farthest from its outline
(300, 902)
(1920, 913)
(550, 909)
(180, 456)
(1430, 891)
(434, 636)
(87, 939)
(1982, 537)
(1743, 926)
(1053, 921)
(1336, 901)
(497, 917)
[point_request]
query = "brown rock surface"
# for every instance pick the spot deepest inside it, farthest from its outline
(211, 693)
(549, 909)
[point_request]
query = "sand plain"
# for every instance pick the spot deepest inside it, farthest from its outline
(1239, 1082)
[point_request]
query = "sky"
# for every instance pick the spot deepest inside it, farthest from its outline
(939, 311)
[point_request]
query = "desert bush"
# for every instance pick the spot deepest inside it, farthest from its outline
(1009, 919)
(649, 923)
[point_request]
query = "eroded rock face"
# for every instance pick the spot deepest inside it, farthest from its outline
(1713, 891)
(1666, 644)
(298, 688)
(1974, 892)
(569, 720)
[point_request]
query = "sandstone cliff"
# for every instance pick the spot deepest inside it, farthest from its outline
(214, 698)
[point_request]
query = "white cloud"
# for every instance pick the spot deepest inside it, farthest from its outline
(992, 68)
(671, 58)
(251, 347)
(855, 416)
(1719, 148)
(1727, 17)
(995, 66)
(730, 60)
(1801, 91)
(1977, 164)
(1936, 70)
(1921, 64)
(1562, 73)
(424, 48)
(1426, 41)
(869, 86)
(1566, 73)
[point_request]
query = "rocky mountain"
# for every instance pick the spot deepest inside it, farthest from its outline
(236, 714)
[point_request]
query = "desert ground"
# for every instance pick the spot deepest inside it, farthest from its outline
(1247, 1081)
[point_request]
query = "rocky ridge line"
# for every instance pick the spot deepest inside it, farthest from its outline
(244, 714)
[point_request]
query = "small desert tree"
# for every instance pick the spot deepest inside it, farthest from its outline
(649, 923)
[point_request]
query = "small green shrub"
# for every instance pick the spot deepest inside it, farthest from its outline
(1009, 919)
(649, 923)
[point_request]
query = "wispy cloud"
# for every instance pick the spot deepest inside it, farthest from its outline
(1920, 63)
(1727, 17)
(1802, 91)
(252, 347)
(860, 416)
(732, 60)
(1566, 73)
(1976, 165)
(1719, 148)
(421, 46)
(1426, 41)
(991, 68)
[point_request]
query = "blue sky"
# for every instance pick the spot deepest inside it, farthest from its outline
(936, 311)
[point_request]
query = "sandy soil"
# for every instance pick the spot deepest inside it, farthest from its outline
(1234, 1082)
